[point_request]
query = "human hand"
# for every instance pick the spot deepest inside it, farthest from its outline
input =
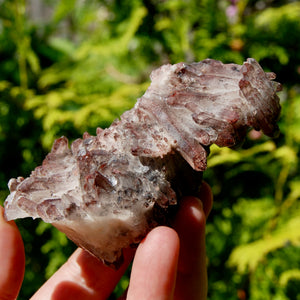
(168, 263)
(12, 259)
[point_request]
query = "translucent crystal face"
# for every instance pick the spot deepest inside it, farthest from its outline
(107, 191)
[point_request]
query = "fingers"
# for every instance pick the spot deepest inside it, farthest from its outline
(12, 259)
(206, 198)
(154, 267)
(190, 226)
(155, 264)
(83, 277)
(158, 266)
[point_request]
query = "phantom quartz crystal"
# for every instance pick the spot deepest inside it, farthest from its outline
(106, 192)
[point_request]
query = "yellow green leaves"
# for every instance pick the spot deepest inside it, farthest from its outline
(248, 256)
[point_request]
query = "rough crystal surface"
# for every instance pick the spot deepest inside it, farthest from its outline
(107, 191)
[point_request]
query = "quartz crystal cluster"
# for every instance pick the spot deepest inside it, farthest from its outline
(105, 192)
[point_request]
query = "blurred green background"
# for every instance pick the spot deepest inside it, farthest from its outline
(68, 66)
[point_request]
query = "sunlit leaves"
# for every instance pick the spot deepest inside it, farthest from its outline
(249, 255)
(89, 60)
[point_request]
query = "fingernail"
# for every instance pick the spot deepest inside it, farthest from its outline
(197, 210)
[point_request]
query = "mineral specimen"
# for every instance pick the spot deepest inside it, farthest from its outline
(105, 192)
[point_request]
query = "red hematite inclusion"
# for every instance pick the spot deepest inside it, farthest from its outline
(107, 191)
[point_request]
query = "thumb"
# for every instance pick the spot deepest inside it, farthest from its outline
(12, 259)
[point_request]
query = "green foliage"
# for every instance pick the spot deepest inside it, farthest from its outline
(57, 248)
(251, 254)
(86, 62)
(275, 278)
(19, 144)
(279, 22)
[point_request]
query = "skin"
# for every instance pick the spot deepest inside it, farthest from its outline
(12, 259)
(170, 263)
